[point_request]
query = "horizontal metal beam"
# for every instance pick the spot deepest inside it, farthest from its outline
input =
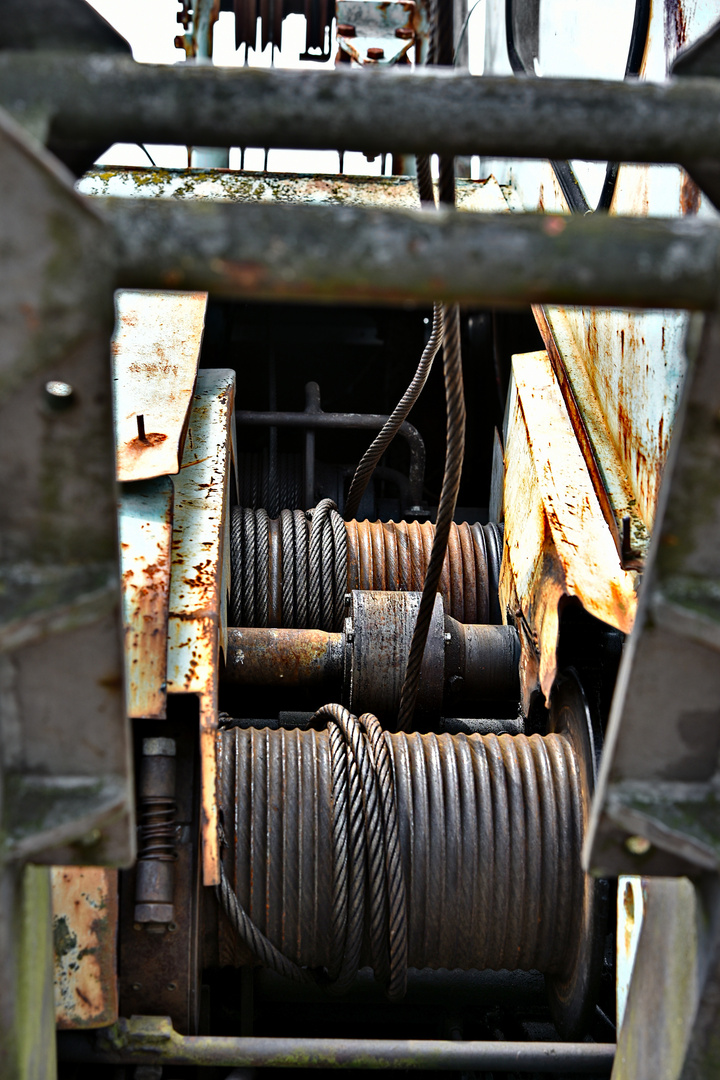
(362, 255)
(111, 98)
(153, 1040)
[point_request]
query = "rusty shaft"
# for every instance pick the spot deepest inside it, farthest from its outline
(364, 255)
(271, 567)
(105, 99)
(367, 664)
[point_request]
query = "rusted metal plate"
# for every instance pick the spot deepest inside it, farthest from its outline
(478, 195)
(156, 348)
(200, 575)
(630, 913)
(64, 731)
(145, 520)
(557, 542)
(374, 26)
(656, 810)
(85, 918)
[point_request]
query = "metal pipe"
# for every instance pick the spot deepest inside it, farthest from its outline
(111, 98)
(363, 255)
(118, 1046)
(315, 418)
(265, 657)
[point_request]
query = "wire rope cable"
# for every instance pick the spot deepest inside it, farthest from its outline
(564, 172)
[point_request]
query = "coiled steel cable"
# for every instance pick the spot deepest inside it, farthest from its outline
(371, 457)
(400, 413)
(312, 549)
(351, 846)
(454, 457)
(271, 566)
(442, 53)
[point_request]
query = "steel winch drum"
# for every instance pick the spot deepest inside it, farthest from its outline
(490, 834)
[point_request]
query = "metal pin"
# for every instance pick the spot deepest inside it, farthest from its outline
(141, 428)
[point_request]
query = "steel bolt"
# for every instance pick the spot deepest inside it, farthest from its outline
(638, 845)
(346, 30)
(90, 839)
(58, 394)
(404, 32)
(375, 53)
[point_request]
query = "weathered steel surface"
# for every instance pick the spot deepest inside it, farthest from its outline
(27, 1008)
(630, 914)
(65, 736)
(85, 916)
(670, 1027)
(374, 26)
(200, 574)
(621, 372)
(659, 771)
(151, 1039)
(267, 657)
(557, 542)
(359, 254)
(114, 99)
(145, 521)
(156, 349)
(392, 191)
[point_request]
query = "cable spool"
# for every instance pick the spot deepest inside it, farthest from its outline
(271, 566)
(481, 835)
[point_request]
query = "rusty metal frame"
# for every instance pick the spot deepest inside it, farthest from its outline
(200, 576)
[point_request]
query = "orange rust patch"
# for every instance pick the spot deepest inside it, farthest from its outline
(152, 438)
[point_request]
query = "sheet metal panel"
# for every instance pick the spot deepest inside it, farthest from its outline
(200, 575)
(156, 349)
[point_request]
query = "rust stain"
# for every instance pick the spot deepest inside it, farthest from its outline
(152, 438)
(85, 918)
(690, 195)
(247, 275)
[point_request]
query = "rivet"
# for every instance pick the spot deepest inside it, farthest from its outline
(638, 845)
(58, 394)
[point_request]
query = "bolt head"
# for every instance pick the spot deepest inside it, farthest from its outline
(346, 30)
(375, 53)
(406, 33)
(638, 845)
(59, 395)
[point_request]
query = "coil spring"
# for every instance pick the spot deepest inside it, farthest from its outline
(489, 832)
(156, 838)
(272, 583)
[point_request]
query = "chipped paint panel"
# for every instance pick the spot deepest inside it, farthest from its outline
(200, 574)
(557, 542)
(532, 582)
(85, 917)
(630, 914)
(473, 195)
(145, 521)
(156, 349)
(582, 539)
(626, 370)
